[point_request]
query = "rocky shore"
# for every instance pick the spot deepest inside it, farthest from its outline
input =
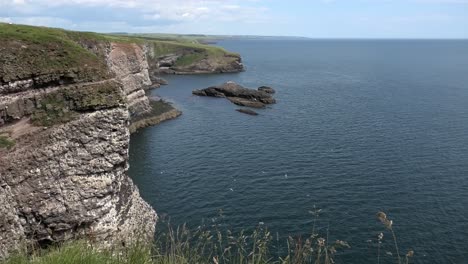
(239, 95)
(162, 111)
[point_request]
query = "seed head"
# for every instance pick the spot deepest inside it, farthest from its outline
(321, 242)
(410, 254)
(381, 216)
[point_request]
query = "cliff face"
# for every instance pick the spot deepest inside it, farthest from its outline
(191, 58)
(129, 64)
(64, 175)
(67, 100)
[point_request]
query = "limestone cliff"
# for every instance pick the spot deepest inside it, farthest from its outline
(129, 64)
(67, 101)
(66, 107)
(169, 57)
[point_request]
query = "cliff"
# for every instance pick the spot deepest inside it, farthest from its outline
(67, 100)
(172, 57)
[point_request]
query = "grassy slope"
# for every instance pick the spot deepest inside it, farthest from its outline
(193, 51)
(27, 51)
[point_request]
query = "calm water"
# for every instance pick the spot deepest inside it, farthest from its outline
(360, 126)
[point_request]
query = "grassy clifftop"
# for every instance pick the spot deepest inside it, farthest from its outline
(28, 51)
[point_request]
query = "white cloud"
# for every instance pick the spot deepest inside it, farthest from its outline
(178, 10)
(137, 15)
(6, 20)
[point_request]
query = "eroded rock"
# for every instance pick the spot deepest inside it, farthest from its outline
(238, 95)
(247, 111)
(266, 89)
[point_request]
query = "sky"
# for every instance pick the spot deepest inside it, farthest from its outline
(308, 18)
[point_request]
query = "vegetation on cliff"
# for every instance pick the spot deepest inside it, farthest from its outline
(191, 52)
(64, 105)
(170, 43)
(160, 112)
(216, 244)
(28, 51)
(6, 142)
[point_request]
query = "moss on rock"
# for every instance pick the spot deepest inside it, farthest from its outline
(65, 105)
(6, 142)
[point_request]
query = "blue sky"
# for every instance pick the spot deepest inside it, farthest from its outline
(310, 18)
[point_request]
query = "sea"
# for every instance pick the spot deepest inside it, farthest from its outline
(359, 127)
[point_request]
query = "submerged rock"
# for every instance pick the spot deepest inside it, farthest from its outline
(238, 95)
(246, 102)
(247, 111)
(159, 80)
(266, 89)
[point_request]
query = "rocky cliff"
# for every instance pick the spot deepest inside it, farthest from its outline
(169, 57)
(67, 101)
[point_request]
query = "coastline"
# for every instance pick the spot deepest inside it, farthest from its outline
(68, 104)
(161, 111)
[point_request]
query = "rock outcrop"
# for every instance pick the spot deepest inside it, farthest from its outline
(65, 176)
(238, 95)
(129, 64)
(266, 89)
(247, 111)
(190, 59)
(161, 111)
(159, 81)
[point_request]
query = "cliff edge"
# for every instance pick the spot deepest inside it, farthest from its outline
(67, 100)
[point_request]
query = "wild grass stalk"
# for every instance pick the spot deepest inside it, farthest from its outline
(215, 244)
(388, 224)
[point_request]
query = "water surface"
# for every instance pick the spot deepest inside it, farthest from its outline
(360, 126)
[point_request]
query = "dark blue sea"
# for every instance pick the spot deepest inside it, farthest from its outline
(360, 126)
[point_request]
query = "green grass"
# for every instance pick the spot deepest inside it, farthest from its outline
(82, 253)
(65, 105)
(167, 47)
(26, 51)
(217, 244)
(185, 246)
(160, 107)
(168, 37)
(6, 142)
(189, 59)
(157, 108)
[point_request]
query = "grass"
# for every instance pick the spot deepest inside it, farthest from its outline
(167, 47)
(6, 142)
(82, 253)
(388, 224)
(189, 59)
(158, 107)
(65, 105)
(27, 51)
(204, 244)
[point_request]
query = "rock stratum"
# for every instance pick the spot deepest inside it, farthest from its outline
(67, 103)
